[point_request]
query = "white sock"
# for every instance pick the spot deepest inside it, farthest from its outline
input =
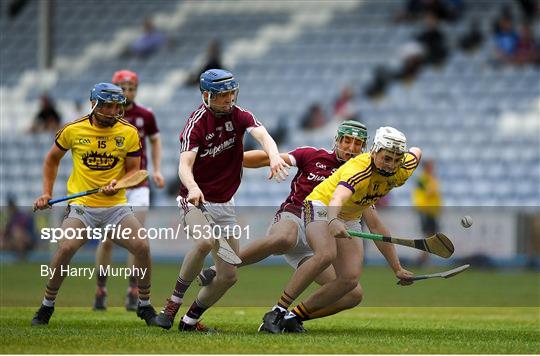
(279, 308)
(190, 321)
(176, 299)
(144, 303)
(48, 303)
(213, 267)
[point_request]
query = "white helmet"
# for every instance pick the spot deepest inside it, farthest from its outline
(390, 139)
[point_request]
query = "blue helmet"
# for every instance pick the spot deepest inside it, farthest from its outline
(107, 93)
(217, 81)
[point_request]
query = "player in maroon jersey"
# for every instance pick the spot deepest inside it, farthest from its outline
(139, 197)
(287, 234)
(210, 171)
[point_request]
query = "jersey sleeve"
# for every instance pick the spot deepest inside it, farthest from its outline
(247, 120)
(63, 138)
(134, 147)
(355, 175)
(150, 124)
(408, 168)
(192, 136)
(300, 156)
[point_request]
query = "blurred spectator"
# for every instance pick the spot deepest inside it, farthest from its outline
(344, 108)
(212, 61)
(47, 119)
(313, 118)
(473, 38)
(528, 48)
(77, 110)
(530, 9)
(434, 41)
(18, 234)
(148, 43)
(377, 87)
(411, 57)
(427, 200)
(449, 10)
(506, 40)
(15, 7)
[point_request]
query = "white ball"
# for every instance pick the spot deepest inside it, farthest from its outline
(466, 221)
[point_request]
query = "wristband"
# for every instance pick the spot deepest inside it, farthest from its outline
(333, 220)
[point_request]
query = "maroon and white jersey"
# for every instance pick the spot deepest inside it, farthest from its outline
(314, 165)
(145, 122)
(220, 150)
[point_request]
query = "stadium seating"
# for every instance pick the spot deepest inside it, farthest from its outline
(454, 112)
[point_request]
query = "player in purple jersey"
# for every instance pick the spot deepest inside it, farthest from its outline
(210, 170)
(287, 235)
(139, 197)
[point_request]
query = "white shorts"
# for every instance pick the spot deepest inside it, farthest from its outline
(138, 198)
(301, 250)
(224, 214)
(315, 210)
(98, 217)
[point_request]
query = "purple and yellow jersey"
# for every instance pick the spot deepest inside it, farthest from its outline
(99, 156)
(360, 176)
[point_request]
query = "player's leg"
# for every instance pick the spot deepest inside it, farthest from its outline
(140, 249)
(59, 263)
(324, 252)
(191, 266)
(282, 237)
(103, 258)
(348, 267)
(209, 295)
(139, 199)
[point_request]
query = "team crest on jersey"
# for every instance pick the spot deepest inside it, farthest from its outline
(321, 213)
(229, 126)
(99, 161)
(119, 141)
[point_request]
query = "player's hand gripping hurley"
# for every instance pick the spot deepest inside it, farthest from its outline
(225, 251)
(126, 182)
(437, 244)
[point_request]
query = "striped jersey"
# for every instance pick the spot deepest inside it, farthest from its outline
(360, 176)
(218, 141)
(98, 156)
(314, 165)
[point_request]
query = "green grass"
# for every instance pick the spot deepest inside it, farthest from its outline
(362, 330)
(475, 312)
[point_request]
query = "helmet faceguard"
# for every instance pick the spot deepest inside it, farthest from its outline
(394, 143)
(105, 93)
(353, 129)
(216, 82)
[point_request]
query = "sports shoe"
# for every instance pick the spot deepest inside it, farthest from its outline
(131, 300)
(198, 327)
(273, 322)
(165, 319)
(147, 313)
(101, 297)
(293, 325)
(206, 276)
(43, 315)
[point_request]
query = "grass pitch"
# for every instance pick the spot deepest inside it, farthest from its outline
(475, 312)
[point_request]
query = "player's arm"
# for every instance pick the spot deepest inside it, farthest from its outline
(336, 226)
(185, 172)
(155, 147)
(388, 250)
(278, 167)
(133, 165)
(259, 158)
(417, 152)
(50, 170)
